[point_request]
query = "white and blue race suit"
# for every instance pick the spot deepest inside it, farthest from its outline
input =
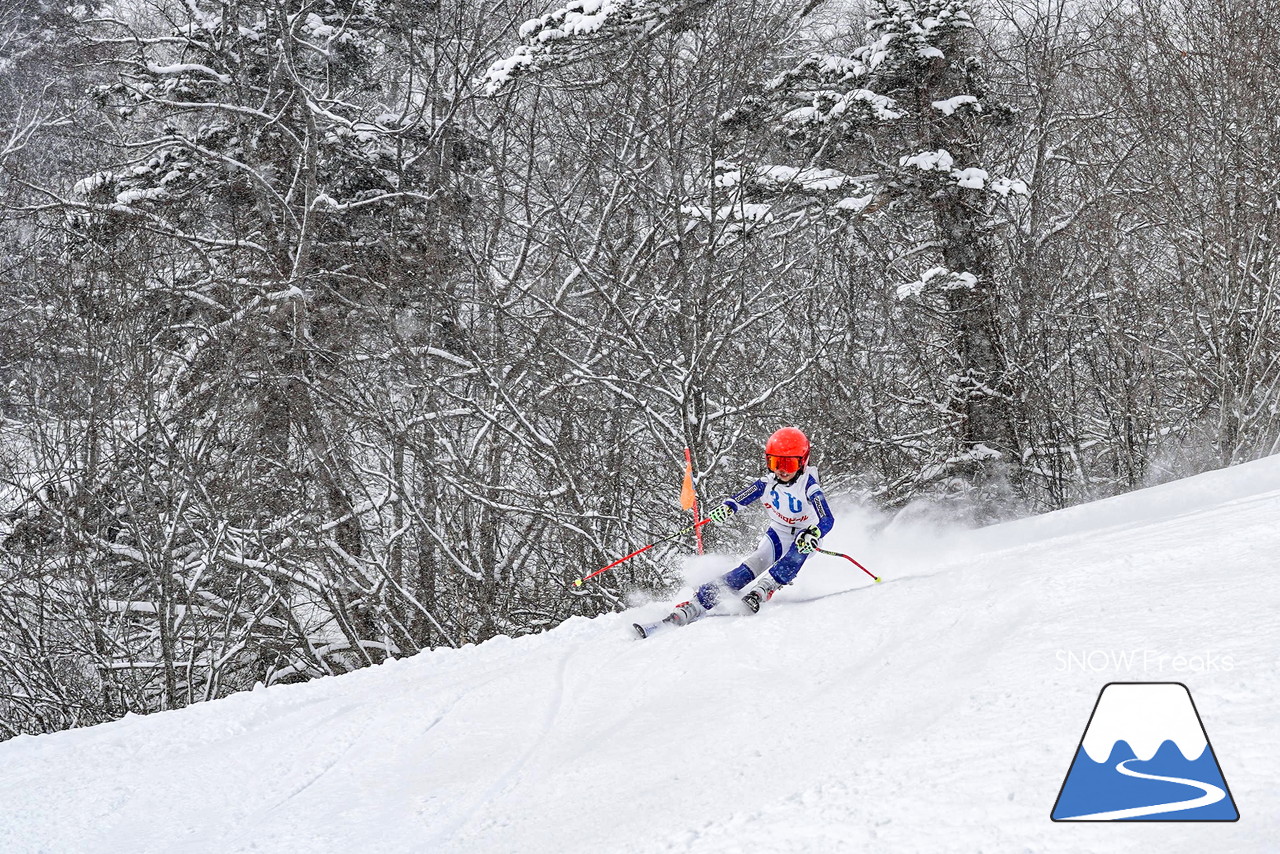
(791, 508)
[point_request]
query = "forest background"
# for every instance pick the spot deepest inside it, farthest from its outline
(342, 329)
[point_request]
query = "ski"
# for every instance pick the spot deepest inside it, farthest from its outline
(752, 602)
(673, 621)
(648, 630)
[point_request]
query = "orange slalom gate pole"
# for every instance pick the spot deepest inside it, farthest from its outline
(689, 497)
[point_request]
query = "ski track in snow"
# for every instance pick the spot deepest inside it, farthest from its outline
(327, 766)
(510, 777)
(929, 713)
(1211, 795)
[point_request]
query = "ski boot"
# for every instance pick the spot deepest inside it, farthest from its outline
(684, 614)
(762, 591)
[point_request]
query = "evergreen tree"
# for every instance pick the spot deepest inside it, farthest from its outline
(908, 112)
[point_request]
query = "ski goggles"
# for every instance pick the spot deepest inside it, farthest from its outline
(785, 466)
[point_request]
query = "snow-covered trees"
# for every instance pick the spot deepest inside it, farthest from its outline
(631, 299)
(898, 128)
(909, 112)
(327, 332)
(1139, 121)
(279, 193)
(1216, 209)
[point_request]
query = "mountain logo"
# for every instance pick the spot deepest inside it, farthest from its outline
(1145, 756)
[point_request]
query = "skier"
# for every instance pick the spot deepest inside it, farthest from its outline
(799, 518)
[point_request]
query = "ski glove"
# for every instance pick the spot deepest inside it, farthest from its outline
(807, 540)
(721, 514)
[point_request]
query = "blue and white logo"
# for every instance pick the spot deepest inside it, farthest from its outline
(1145, 756)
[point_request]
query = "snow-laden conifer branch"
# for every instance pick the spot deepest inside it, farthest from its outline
(825, 101)
(584, 28)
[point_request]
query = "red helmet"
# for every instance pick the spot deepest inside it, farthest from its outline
(786, 452)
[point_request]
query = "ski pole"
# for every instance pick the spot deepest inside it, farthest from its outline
(680, 533)
(852, 561)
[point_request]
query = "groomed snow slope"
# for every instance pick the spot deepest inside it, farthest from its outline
(938, 711)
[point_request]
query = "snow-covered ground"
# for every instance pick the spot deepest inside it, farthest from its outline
(938, 711)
